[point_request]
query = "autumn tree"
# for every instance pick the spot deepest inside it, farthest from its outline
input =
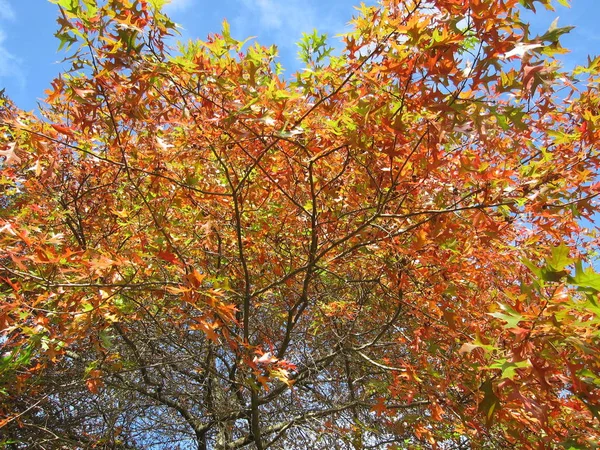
(392, 249)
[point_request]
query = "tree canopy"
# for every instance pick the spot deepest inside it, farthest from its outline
(393, 248)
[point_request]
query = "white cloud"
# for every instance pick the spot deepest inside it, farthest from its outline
(272, 14)
(283, 21)
(6, 11)
(10, 65)
(175, 5)
(291, 16)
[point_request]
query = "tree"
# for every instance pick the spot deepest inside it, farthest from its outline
(388, 251)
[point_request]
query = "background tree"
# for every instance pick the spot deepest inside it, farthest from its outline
(385, 252)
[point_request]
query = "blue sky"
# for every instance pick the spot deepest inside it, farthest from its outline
(29, 58)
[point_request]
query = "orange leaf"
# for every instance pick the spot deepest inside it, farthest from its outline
(67, 131)
(194, 278)
(94, 383)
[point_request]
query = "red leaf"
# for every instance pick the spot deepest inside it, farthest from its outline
(379, 407)
(168, 256)
(529, 73)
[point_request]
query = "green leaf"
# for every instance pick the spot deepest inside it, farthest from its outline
(281, 94)
(508, 368)
(553, 275)
(226, 31)
(554, 34)
(477, 343)
(91, 8)
(19, 357)
(560, 258)
(313, 48)
(585, 278)
(490, 402)
(158, 4)
(69, 5)
(106, 339)
(592, 66)
(594, 409)
(573, 445)
(510, 316)
(561, 137)
(589, 377)
(66, 40)
(531, 266)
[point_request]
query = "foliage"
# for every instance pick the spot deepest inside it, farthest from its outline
(388, 251)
